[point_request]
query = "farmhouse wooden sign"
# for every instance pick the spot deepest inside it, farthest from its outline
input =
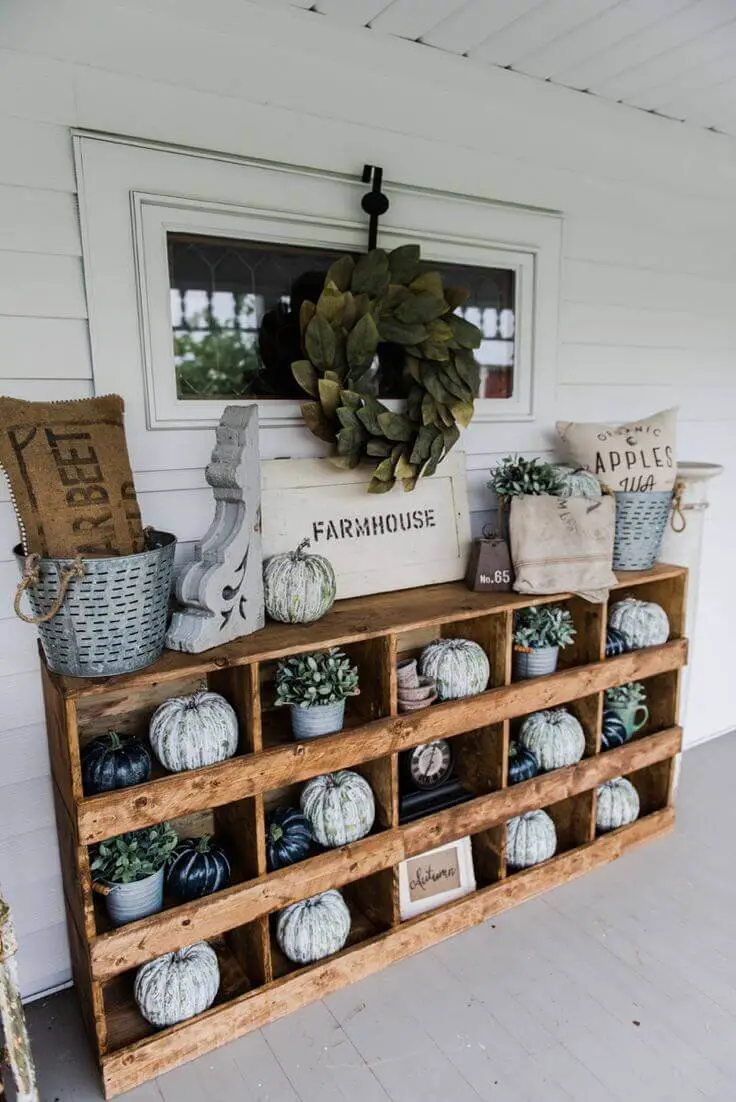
(375, 542)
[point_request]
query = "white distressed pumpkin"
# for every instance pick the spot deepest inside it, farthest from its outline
(617, 805)
(188, 732)
(576, 482)
(298, 587)
(530, 838)
(177, 985)
(460, 667)
(555, 737)
(642, 623)
(314, 928)
(339, 807)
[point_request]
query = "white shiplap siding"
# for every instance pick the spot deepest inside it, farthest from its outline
(647, 287)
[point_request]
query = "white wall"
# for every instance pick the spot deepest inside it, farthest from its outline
(648, 275)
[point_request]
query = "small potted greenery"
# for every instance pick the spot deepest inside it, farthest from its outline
(539, 633)
(627, 701)
(316, 687)
(129, 871)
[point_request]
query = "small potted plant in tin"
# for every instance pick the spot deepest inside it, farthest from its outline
(316, 686)
(539, 634)
(129, 871)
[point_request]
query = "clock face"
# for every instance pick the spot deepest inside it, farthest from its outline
(430, 764)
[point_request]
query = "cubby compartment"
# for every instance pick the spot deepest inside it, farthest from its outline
(374, 659)
(234, 827)
(373, 906)
(574, 820)
(240, 972)
(661, 703)
(489, 855)
(654, 785)
(588, 712)
(669, 591)
(589, 644)
(491, 632)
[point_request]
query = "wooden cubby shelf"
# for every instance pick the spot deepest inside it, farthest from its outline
(232, 799)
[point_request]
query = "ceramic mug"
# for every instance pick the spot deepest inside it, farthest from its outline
(627, 713)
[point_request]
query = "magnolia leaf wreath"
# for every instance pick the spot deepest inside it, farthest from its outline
(386, 297)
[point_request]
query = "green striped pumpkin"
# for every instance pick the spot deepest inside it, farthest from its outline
(298, 587)
(314, 928)
(177, 985)
(617, 804)
(339, 807)
(642, 623)
(189, 732)
(458, 666)
(555, 737)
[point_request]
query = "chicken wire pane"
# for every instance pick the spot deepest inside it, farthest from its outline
(235, 319)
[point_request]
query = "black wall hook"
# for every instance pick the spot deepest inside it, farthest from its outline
(374, 202)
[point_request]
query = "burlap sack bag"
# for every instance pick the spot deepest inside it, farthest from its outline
(563, 545)
(70, 478)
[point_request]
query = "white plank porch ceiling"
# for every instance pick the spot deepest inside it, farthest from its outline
(675, 58)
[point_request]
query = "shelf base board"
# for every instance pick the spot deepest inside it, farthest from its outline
(129, 1067)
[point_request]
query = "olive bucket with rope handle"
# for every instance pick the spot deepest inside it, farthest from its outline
(99, 617)
(641, 519)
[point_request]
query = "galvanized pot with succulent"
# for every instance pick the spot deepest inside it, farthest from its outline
(539, 633)
(316, 686)
(129, 871)
(387, 297)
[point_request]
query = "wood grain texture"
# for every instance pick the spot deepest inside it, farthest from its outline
(122, 949)
(127, 1068)
(102, 816)
(347, 621)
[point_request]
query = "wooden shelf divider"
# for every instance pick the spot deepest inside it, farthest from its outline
(258, 983)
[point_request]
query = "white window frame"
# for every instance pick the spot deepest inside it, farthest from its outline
(132, 193)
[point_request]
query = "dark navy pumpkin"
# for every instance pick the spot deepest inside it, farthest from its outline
(288, 837)
(614, 732)
(522, 764)
(109, 762)
(615, 643)
(197, 867)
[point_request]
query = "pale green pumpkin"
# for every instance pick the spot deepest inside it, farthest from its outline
(298, 587)
(576, 482)
(555, 737)
(460, 667)
(339, 807)
(177, 985)
(641, 623)
(617, 804)
(314, 928)
(530, 838)
(189, 732)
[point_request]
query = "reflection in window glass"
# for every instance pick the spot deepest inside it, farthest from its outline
(235, 318)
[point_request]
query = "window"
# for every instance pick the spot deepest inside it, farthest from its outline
(235, 318)
(194, 264)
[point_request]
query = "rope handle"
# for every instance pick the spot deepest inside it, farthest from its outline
(678, 520)
(31, 577)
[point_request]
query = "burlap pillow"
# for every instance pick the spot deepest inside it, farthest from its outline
(563, 544)
(70, 478)
(640, 455)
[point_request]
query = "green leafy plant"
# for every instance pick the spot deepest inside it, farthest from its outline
(387, 298)
(543, 626)
(625, 696)
(134, 855)
(515, 476)
(324, 677)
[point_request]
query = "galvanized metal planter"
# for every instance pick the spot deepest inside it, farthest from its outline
(112, 612)
(535, 663)
(320, 719)
(127, 902)
(641, 519)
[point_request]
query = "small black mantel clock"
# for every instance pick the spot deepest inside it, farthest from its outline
(428, 781)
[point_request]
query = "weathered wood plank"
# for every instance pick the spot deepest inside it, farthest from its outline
(348, 621)
(116, 952)
(128, 1067)
(102, 816)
